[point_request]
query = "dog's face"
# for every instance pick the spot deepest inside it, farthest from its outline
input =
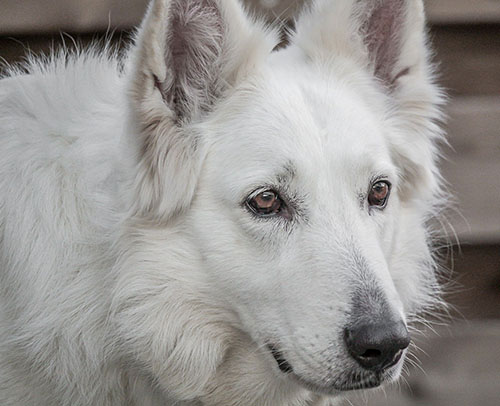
(308, 175)
(296, 212)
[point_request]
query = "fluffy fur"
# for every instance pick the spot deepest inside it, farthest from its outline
(132, 271)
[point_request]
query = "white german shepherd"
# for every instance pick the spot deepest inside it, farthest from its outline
(210, 221)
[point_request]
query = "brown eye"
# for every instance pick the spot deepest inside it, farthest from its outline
(379, 194)
(265, 203)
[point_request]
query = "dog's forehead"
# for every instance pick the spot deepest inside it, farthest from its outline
(292, 114)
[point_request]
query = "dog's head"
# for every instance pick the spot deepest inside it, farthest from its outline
(305, 174)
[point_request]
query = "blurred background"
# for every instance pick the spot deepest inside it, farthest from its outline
(460, 357)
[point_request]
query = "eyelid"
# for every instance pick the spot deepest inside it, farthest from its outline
(380, 178)
(258, 191)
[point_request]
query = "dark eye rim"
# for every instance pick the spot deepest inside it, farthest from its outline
(283, 211)
(386, 199)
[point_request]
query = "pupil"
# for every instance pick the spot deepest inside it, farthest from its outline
(267, 196)
(379, 189)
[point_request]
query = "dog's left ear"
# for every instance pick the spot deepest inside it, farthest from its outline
(387, 39)
(188, 56)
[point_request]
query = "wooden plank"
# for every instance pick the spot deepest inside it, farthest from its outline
(438, 11)
(469, 58)
(27, 17)
(474, 125)
(473, 167)
(463, 11)
(476, 273)
(475, 184)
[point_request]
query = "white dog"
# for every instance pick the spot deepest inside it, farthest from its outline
(210, 221)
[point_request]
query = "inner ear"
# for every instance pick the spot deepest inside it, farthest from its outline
(382, 32)
(386, 36)
(194, 51)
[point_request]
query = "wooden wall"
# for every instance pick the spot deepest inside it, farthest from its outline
(469, 55)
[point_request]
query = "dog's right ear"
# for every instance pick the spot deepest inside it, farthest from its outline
(188, 56)
(387, 40)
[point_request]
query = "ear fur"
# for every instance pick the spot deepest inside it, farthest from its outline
(387, 40)
(188, 55)
(375, 33)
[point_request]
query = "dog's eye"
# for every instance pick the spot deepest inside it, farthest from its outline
(379, 194)
(266, 203)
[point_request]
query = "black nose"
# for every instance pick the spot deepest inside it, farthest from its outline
(377, 346)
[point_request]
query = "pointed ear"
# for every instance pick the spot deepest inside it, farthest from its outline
(387, 40)
(384, 35)
(188, 56)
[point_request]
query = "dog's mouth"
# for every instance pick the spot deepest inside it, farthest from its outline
(283, 364)
(355, 379)
(346, 382)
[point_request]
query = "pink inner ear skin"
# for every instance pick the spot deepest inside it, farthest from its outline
(402, 73)
(383, 31)
(195, 40)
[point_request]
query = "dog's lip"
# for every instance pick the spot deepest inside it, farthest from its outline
(283, 364)
(373, 380)
(368, 380)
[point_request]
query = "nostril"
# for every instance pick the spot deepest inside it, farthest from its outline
(371, 354)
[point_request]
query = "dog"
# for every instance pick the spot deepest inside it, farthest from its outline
(209, 219)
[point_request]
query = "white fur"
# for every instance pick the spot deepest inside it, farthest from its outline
(130, 271)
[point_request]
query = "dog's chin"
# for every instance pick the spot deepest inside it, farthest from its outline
(348, 381)
(342, 384)
(354, 378)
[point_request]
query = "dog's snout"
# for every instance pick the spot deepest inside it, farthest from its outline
(377, 346)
